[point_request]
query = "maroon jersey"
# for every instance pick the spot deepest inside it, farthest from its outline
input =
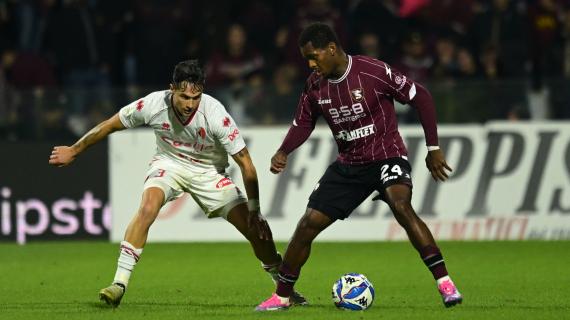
(359, 109)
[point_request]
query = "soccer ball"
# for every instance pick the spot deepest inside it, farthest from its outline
(353, 291)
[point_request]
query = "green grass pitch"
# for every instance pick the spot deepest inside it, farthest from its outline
(499, 280)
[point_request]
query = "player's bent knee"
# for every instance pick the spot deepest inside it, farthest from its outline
(311, 224)
(403, 208)
(147, 213)
(307, 223)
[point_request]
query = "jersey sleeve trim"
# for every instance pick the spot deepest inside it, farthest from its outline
(124, 120)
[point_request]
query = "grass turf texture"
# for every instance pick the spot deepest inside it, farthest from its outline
(499, 280)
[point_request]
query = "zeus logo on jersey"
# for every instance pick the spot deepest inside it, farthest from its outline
(355, 134)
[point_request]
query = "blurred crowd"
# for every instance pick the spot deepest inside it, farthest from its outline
(68, 64)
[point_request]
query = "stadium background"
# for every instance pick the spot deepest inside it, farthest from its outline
(499, 72)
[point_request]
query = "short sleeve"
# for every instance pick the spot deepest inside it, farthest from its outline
(226, 132)
(135, 114)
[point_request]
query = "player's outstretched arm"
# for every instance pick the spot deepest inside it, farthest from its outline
(437, 166)
(63, 155)
(249, 175)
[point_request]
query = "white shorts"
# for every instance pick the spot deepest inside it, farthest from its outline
(214, 192)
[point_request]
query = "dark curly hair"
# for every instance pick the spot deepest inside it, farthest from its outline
(188, 71)
(319, 34)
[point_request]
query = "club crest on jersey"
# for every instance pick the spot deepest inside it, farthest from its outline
(227, 122)
(165, 126)
(201, 132)
(140, 105)
(357, 94)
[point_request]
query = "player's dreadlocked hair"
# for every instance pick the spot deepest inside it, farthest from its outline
(319, 34)
(188, 72)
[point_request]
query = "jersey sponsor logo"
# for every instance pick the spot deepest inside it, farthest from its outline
(224, 182)
(201, 132)
(349, 118)
(140, 105)
(226, 122)
(357, 94)
(355, 134)
(324, 101)
(346, 113)
(198, 147)
(233, 135)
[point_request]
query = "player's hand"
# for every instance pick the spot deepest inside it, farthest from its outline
(258, 223)
(435, 162)
(278, 162)
(62, 156)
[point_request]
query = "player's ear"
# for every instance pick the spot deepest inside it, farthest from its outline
(332, 48)
(171, 87)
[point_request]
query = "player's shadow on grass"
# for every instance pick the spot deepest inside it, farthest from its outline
(97, 305)
(189, 304)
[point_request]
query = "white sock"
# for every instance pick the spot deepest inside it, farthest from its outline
(442, 279)
(284, 300)
(273, 269)
(274, 274)
(128, 258)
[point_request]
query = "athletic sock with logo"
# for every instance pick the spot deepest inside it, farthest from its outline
(286, 281)
(273, 269)
(434, 261)
(128, 258)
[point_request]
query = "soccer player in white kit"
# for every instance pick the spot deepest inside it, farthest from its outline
(194, 135)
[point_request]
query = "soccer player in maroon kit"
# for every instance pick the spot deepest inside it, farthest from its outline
(355, 95)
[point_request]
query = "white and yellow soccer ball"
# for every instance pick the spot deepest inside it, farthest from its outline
(353, 291)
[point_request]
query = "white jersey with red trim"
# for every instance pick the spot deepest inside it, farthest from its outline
(203, 141)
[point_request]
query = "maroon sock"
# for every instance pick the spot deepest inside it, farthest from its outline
(287, 279)
(434, 261)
